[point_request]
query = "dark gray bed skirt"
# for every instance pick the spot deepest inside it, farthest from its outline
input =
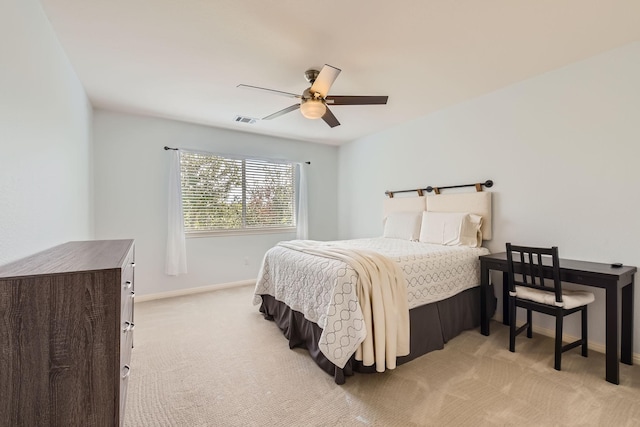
(432, 325)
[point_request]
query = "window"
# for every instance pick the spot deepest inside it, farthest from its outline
(225, 194)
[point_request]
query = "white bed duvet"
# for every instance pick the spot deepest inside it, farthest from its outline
(324, 289)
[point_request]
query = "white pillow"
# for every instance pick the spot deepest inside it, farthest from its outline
(402, 225)
(471, 234)
(451, 229)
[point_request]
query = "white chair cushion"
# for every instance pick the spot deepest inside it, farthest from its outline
(571, 299)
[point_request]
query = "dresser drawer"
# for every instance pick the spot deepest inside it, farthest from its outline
(126, 343)
(127, 289)
(125, 370)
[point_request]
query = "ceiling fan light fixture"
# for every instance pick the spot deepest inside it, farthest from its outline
(313, 108)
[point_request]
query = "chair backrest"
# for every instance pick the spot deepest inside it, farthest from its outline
(539, 268)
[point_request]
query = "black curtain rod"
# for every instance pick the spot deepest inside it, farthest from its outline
(488, 183)
(176, 149)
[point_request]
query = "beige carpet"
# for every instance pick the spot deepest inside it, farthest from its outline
(212, 360)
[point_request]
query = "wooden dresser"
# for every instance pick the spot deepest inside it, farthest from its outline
(66, 333)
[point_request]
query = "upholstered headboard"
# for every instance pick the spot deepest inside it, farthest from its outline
(404, 204)
(478, 203)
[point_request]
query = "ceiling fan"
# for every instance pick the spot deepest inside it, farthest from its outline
(314, 100)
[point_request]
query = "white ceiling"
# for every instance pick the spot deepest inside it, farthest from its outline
(183, 59)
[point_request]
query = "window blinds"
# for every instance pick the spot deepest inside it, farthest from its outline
(221, 193)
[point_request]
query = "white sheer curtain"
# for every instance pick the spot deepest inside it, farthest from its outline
(302, 232)
(176, 262)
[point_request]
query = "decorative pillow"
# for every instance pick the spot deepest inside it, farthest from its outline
(402, 225)
(451, 229)
(471, 234)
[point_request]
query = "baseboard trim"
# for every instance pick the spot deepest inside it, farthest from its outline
(191, 291)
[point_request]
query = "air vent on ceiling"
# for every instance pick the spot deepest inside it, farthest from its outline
(243, 119)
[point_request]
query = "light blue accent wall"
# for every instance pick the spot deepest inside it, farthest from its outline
(45, 138)
(563, 150)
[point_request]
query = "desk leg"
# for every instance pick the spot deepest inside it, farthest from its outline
(613, 367)
(505, 298)
(484, 290)
(626, 355)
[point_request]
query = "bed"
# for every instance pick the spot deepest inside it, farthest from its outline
(367, 305)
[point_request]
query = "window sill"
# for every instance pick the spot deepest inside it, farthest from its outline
(243, 232)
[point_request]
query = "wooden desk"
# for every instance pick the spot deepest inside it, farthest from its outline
(618, 282)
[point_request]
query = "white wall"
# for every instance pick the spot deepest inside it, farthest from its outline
(131, 180)
(563, 150)
(45, 137)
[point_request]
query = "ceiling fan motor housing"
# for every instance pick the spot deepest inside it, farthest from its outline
(307, 95)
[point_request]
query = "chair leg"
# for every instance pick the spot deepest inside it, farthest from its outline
(585, 335)
(530, 323)
(558, 350)
(512, 324)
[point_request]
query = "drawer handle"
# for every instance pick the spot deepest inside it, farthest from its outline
(128, 326)
(127, 371)
(132, 295)
(128, 284)
(133, 264)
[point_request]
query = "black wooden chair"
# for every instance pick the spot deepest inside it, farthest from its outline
(540, 289)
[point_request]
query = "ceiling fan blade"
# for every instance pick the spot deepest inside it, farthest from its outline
(356, 100)
(277, 92)
(330, 119)
(282, 112)
(325, 79)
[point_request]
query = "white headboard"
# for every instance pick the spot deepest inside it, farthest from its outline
(404, 204)
(478, 203)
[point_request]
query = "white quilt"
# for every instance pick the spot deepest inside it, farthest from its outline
(325, 289)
